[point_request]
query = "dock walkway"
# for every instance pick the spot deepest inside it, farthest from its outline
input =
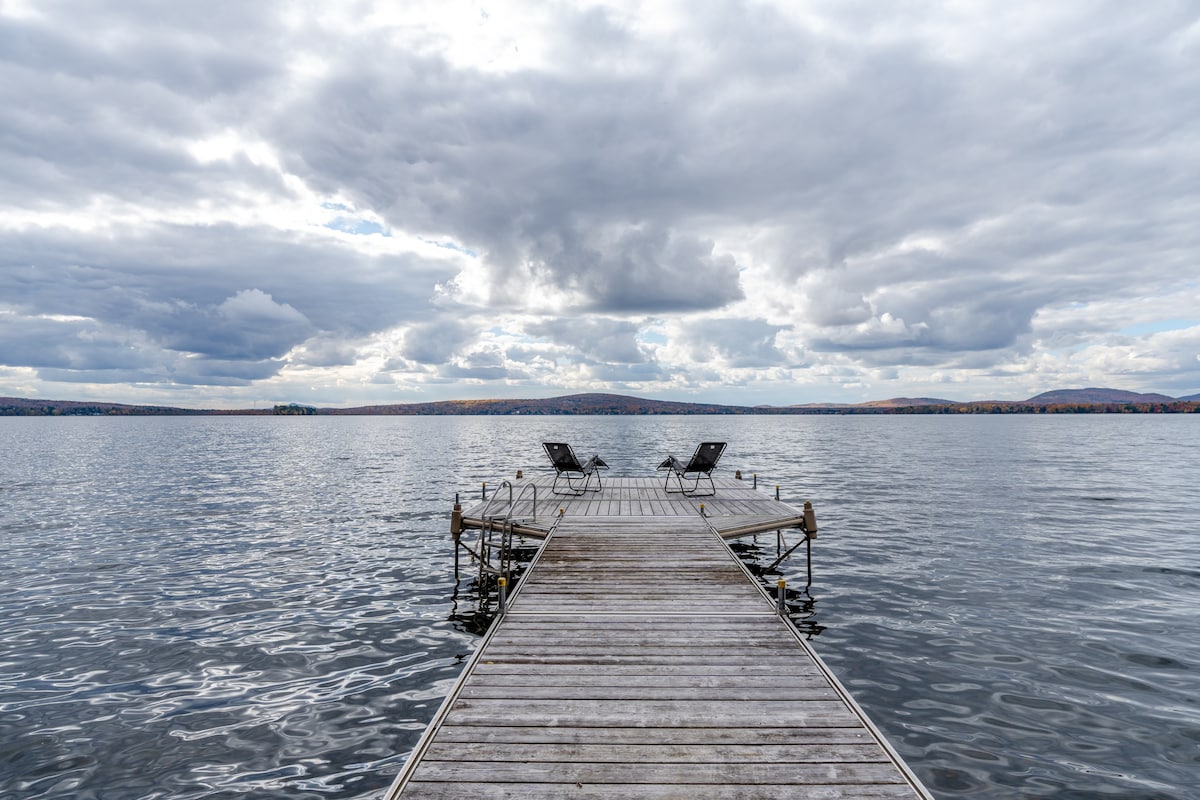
(638, 659)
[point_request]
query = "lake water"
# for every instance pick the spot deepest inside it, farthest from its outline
(208, 607)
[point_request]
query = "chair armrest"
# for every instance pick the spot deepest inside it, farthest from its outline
(592, 464)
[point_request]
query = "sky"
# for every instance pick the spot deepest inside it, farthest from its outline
(232, 204)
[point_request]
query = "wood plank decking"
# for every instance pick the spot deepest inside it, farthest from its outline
(637, 659)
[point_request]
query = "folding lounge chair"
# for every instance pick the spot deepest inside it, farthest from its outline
(698, 469)
(578, 476)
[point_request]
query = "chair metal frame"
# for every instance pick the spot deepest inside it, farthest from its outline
(699, 467)
(578, 475)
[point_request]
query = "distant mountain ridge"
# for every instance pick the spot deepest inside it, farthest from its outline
(905, 402)
(1095, 395)
(591, 403)
(1092, 400)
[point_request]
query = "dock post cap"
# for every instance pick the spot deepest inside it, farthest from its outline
(810, 520)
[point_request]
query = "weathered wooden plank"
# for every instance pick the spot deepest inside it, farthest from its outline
(656, 713)
(640, 693)
(626, 592)
(799, 738)
(811, 753)
(649, 679)
(766, 621)
(680, 652)
(773, 661)
(622, 641)
(631, 606)
(644, 791)
(755, 671)
(679, 774)
(619, 625)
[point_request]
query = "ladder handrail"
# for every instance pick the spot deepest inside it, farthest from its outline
(508, 514)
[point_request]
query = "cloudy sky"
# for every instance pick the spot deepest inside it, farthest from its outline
(224, 204)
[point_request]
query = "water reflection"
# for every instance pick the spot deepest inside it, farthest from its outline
(475, 595)
(764, 562)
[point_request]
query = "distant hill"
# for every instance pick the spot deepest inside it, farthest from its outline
(1066, 401)
(1094, 395)
(571, 404)
(22, 407)
(908, 402)
(1191, 398)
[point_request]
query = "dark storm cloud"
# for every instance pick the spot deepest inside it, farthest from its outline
(575, 178)
(68, 344)
(326, 351)
(437, 341)
(99, 101)
(596, 338)
(483, 365)
(739, 343)
(602, 182)
(225, 294)
(248, 326)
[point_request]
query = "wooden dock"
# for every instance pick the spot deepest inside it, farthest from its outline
(639, 659)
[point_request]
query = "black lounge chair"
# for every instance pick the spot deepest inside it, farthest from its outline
(567, 467)
(698, 469)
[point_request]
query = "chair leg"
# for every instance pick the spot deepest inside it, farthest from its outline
(577, 485)
(694, 491)
(571, 490)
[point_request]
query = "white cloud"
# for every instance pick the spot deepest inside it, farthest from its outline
(804, 201)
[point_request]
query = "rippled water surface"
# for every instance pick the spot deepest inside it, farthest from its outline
(265, 606)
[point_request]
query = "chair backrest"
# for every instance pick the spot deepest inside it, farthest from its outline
(706, 457)
(563, 456)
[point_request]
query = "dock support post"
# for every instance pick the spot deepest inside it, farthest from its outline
(777, 491)
(781, 603)
(502, 582)
(808, 586)
(456, 530)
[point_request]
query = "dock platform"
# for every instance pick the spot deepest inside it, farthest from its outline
(638, 658)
